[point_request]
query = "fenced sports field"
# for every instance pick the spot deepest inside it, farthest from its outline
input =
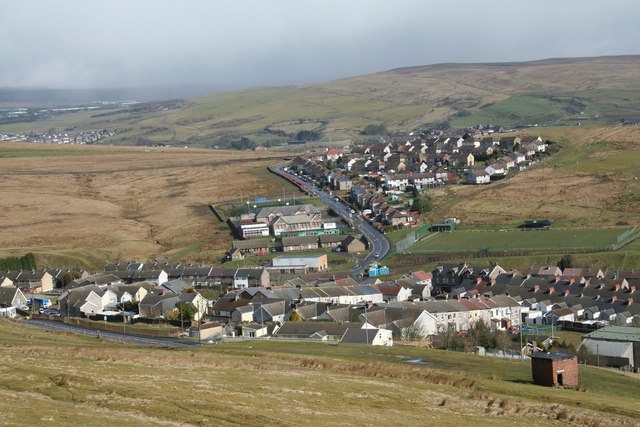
(561, 239)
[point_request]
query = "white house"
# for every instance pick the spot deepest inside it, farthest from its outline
(243, 314)
(97, 302)
(497, 168)
(254, 330)
(478, 177)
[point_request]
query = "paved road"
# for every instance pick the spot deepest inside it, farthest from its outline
(379, 244)
(114, 336)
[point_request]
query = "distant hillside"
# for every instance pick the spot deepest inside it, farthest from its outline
(547, 92)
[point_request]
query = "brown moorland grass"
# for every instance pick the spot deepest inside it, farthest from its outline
(66, 379)
(593, 180)
(129, 203)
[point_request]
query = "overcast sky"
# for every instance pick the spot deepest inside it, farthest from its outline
(242, 43)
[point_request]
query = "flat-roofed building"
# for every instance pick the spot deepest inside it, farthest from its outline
(294, 264)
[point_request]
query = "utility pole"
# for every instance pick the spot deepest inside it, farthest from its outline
(181, 320)
(521, 348)
(67, 303)
(366, 321)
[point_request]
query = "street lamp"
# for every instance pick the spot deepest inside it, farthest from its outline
(68, 297)
(124, 319)
(366, 320)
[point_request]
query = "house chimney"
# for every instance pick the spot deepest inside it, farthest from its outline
(536, 288)
(629, 300)
(586, 283)
(551, 290)
(617, 286)
(572, 281)
(633, 288)
(493, 281)
(566, 292)
(614, 298)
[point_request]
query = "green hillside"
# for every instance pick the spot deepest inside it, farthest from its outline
(549, 92)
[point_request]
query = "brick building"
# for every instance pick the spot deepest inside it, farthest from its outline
(554, 369)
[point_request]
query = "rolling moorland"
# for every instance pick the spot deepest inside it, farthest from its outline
(152, 201)
(70, 380)
(548, 93)
(82, 205)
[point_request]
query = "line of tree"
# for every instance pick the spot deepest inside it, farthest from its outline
(243, 143)
(307, 135)
(422, 204)
(26, 262)
(380, 129)
(479, 334)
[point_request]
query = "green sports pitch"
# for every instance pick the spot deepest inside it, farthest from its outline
(564, 239)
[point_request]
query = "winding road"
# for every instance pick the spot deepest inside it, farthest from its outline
(378, 243)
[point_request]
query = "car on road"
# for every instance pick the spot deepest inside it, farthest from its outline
(377, 255)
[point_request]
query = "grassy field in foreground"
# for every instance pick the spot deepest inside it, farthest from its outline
(553, 239)
(626, 258)
(69, 380)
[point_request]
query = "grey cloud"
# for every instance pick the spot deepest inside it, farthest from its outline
(120, 43)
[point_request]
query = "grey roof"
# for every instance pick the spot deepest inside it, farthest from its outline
(339, 314)
(152, 299)
(287, 293)
(256, 293)
(309, 328)
(311, 310)
(245, 309)
(176, 285)
(252, 273)
(331, 238)
(254, 326)
(552, 356)
(616, 333)
(6, 295)
(31, 275)
(287, 210)
(196, 271)
(296, 219)
(359, 336)
(251, 244)
(299, 240)
(612, 348)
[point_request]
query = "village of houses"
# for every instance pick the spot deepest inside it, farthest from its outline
(397, 167)
(377, 175)
(298, 297)
(336, 307)
(425, 163)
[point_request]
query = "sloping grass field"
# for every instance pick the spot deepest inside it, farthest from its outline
(549, 92)
(552, 240)
(79, 206)
(65, 380)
